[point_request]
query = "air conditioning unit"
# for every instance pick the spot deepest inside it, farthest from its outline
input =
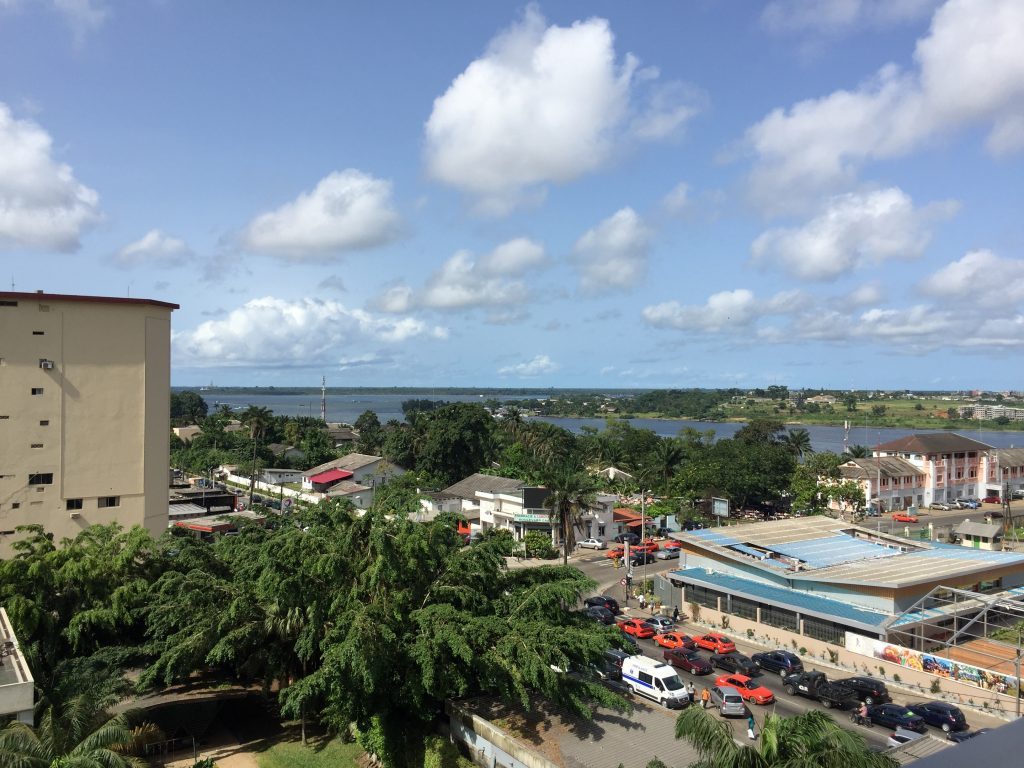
(46, 364)
(75, 515)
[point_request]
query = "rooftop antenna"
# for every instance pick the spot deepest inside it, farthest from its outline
(323, 399)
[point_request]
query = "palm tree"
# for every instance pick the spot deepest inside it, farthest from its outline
(667, 457)
(857, 452)
(809, 739)
(257, 418)
(77, 734)
(572, 492)
(799, 442)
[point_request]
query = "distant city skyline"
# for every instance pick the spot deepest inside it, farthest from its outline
(816, 194)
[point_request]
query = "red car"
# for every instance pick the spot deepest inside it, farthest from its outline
(647, 546)
(748, 689)
(904, 517)
(615, 552)
(672, 544)
(991, 500)
(715, 641)
(675, 640)
(637, 628)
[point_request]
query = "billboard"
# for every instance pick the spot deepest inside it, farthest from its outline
(720, 507)
(533, 498)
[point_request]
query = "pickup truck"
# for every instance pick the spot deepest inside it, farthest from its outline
(815, 685)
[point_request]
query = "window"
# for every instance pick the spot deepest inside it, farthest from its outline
(6, 303)
(600, 531)
(37, 390)
(37, 445)
(44, 307)
(4, 416)
(109, 501)
(38, 333)
(73, 504)
(16, 505)
(743, 608)
(44, 423)
(820, 629)
(645, 677)
(779, 617)
(41, 478)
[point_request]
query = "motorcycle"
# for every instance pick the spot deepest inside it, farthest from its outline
(858, 719)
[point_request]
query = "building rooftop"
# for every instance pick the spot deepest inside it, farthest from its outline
(871, 468)
(40, 296)
(350, 462)
(467, 487)
(988, 530)
(938, 442)
(824, 549)
(1010, 457)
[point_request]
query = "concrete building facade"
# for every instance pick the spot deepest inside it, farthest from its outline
(84, 412)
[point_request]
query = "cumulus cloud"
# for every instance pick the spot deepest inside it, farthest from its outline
(42, 205)
(153, 249)
(276, 332)
(346, 211)
(677, 200)
(465, 282)
(979, 277)
(725, 309)
(968, 71)
(613, 254)
(854, 230)
(543, 104)
(836, 16)
(538, 366)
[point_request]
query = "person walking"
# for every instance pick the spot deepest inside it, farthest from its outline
(705, 697)
(690, 689)
(750, 727)
(643, 601)
(675, 615)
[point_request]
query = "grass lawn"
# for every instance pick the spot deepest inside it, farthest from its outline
(321, 753)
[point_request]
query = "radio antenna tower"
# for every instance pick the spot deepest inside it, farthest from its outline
(323, 399)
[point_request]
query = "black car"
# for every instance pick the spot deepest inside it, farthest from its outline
(604, 602)
(941, 715)
(895, 716)
(632, 538)
(782, 663)
(692, 525)
(643, 558)
(600, 614)
(735, 662)
(687, 660)
(611, 665)
(868, 690)
(630, 642)
(959, 736)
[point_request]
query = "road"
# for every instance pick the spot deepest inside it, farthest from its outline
(941, 519)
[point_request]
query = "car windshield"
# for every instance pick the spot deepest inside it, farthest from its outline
(672, 683)
(733, 698)
(750, 685)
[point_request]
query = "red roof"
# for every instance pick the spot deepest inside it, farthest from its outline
(330, 476)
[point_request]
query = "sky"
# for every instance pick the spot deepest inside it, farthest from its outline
(816, 193)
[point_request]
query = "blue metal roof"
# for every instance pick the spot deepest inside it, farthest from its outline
(958, 552)
(833, 550)
(714, 536)
(804, 602)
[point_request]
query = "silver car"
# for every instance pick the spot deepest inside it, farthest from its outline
(728, 701)
(592, 544)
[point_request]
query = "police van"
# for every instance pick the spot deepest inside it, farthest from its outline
(655, 680)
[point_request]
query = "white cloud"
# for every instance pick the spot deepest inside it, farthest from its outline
(855, 230)
(835, 16)
(677, 200)
(154, 249)
(42, 205)
(83, 16)
(863, 295)
(348, 210)
(613, 254)
(723, 310)
(464, 282)
(669, 109)
(539, 365)
(274, 332)
(968, 71)
(979, 277)
(543, 104)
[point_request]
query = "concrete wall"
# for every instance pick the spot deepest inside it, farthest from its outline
(488, 745)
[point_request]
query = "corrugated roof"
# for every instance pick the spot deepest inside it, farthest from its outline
(968, 528)
(351, 462)
(937, 442)
(468, 487)
(783, 597)
(869, 469)
(330, 476)
(833, 550)
(1010, 457)
(346, 488)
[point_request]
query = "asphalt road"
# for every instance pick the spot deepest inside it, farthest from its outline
(941, 519)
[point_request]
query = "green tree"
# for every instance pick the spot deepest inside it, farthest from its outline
(798, 440)
(316, 447)
(257, 418)
(187, 408)
(571, 494)
(454, 441)
(371, 437)
(857, 452)
(808, 739)
(399, 445)
(79, 734)
(878, 411)
(806, 487)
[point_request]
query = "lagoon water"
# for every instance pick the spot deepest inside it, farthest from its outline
(347, 408)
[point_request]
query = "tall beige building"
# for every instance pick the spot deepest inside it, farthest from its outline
(84, 412)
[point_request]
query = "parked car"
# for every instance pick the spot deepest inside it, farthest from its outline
(601, 615)
(655, 680)
(815, 685)
(781, 663)
(671, 544)
(592, 544)
(632, 538)
(661, 623)
(612, 662)
(959, 736)
(715, 641)
(642, 558)
(991, 500)
(902, 736)
(895, 716)
(940, 714)
(904, 517)
(749, 690)
(993, 514)
(605, 602)
(667, 553)
(615, 552)
(687, 660)
(868, 690)
(644, 546)
(1017, 494)
(968, 503)
(692, 525)
(727, 701)
(675, 640)
(629, 642)
(636, 628)
(735, 662)
(940, 505)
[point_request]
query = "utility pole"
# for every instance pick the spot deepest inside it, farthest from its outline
(1018, 669)
(323, 399)
(643, 533)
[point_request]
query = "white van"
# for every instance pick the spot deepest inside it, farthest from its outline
(655, 680)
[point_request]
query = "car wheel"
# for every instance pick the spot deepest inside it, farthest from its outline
(782, 674)
(946, 728)
(791, 690)
(869, 700)
(827, 703)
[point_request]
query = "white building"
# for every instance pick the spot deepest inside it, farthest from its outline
(17, 688)
(366, 470)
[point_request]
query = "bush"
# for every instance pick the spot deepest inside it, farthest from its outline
(936, 686)
(803, 651)
(750, 634)
(439, 753)
(833, 656)
(538, 544)
(896, 677)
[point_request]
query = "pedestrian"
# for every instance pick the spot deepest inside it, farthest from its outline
(750, 727)
(675, 615)
(643, 601)
(691, 690)
(705, 697)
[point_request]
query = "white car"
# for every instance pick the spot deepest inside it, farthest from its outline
(592, 544)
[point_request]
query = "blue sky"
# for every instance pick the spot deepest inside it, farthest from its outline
(819, 194)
